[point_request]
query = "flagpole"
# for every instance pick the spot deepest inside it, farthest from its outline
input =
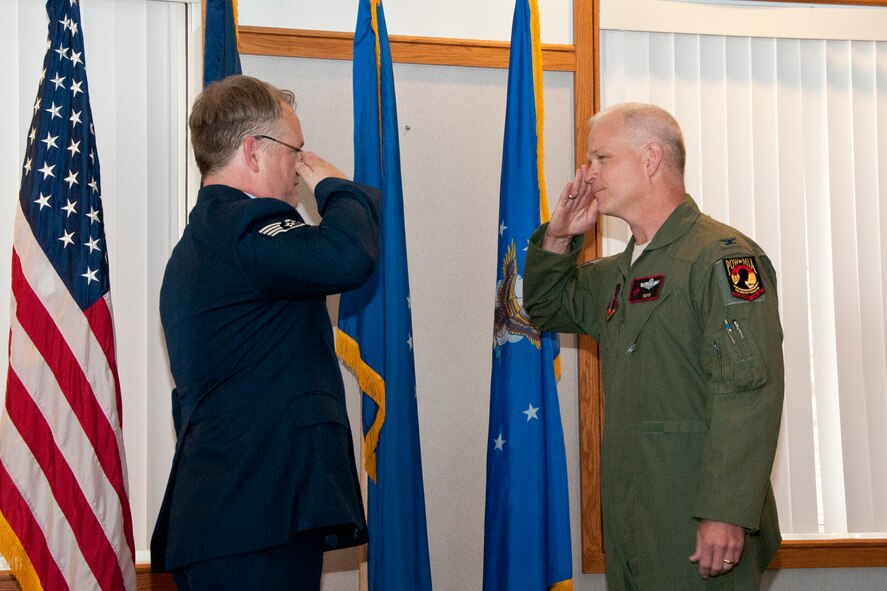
(363, 567)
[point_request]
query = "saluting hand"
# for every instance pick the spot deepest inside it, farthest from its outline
(576, 212)
(314, 169)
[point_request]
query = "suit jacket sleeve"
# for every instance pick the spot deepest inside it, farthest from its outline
(337, 255)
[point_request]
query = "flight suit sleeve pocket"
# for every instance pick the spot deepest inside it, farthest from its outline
(735, 364)
(315, 408)
(744, 374)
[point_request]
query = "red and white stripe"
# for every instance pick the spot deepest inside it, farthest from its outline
(63, 480)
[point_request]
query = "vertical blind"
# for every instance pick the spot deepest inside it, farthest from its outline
(787, 141)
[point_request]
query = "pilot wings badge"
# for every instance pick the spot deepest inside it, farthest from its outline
(645, 289)
(511, 322)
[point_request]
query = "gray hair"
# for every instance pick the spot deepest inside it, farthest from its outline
(645, 123)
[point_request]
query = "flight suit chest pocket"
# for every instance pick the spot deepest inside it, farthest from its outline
(632, 303)
(735, 363)
(647, 320)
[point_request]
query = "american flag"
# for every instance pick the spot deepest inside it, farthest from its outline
(65, 519)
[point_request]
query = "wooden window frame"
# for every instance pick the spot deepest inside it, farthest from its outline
(871, 3)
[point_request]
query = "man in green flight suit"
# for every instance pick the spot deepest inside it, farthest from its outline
(691, 347)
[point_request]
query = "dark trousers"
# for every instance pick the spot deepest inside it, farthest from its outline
(295, 566)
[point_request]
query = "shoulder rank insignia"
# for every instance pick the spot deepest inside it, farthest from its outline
(743, 278)
(727, 242)
(280, 227)
(645, 289)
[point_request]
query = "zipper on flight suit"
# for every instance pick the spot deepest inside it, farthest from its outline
(634, 345)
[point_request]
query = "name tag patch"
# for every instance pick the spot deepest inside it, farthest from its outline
(743, 278)
(645, 289)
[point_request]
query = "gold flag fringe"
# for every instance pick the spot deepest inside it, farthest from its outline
(370, 384)
(538, 87)
(236, 20)
(19, 562)
(374, 13)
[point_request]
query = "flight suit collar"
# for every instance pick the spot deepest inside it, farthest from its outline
(678, 223)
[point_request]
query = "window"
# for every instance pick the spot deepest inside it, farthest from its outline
(786, 141)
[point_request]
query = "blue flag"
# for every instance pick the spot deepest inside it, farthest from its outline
(220, 57)
(527, 521)
(375, 331)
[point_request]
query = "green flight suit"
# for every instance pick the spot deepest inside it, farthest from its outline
(692, 409)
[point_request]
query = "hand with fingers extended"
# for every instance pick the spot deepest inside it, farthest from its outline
(314, 169)
(576, 212)
(719, 547)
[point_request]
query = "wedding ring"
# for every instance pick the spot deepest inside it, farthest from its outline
(728, 561)
(570, 196)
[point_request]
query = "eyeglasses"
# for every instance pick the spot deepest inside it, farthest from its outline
(268, 137)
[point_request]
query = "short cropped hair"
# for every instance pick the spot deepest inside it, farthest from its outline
(229, 111)
(644, 123)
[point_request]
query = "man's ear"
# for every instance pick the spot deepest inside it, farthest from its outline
(251, 152)
(652, 158)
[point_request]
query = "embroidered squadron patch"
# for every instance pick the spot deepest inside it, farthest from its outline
(614, 303)
(280, 227)
(645, 289)
(742, 276)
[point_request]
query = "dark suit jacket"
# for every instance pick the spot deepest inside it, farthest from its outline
(264, 447)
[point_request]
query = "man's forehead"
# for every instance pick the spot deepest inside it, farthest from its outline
(604, 123)
(289, 114)
(600, 141)
(291, 120)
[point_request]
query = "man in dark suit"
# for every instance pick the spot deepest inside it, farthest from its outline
(263, 480)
